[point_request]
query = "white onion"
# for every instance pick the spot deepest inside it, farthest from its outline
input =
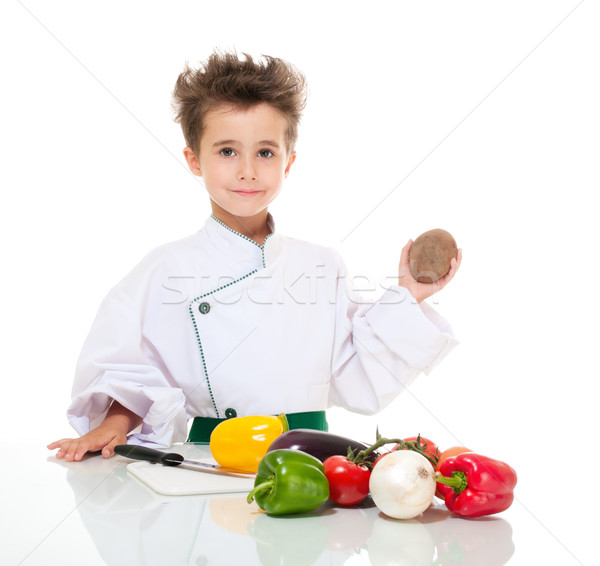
(402, 484)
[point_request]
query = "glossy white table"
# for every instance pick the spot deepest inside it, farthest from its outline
(94, 512)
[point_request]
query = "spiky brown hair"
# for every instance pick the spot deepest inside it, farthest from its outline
(225, 79)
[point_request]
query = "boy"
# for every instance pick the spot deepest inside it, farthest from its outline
(237, 319)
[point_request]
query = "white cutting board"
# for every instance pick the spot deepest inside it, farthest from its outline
(168, 480)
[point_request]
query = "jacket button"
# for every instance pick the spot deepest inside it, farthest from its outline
(204, 308)
(230, 413)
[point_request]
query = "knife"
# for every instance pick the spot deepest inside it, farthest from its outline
(173, 459)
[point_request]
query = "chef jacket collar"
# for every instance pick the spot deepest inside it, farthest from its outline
(242, 246)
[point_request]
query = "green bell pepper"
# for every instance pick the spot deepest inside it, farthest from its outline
(289, 481)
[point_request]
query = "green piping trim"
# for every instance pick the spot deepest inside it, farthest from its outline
(262, 248)
(193, 315)
(234, 232)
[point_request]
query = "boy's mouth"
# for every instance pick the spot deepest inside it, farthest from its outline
(246, 192)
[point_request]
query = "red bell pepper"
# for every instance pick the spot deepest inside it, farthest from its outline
(474, 485)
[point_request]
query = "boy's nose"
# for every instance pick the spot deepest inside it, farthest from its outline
(247, 171)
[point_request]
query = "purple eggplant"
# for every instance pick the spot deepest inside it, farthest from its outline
(317, 443)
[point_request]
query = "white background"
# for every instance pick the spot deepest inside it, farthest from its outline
(478, 117)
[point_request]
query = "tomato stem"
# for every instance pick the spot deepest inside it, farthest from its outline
(416, 446)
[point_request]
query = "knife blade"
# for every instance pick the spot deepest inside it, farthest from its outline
(173, 459)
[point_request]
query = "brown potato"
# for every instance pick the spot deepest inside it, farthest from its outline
(430, 255)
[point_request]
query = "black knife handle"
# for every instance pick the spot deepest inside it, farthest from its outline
(139, 453)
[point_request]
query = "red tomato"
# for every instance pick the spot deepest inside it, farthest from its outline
(348, 482)
(427, 445)
(449, 453)
(379, 458)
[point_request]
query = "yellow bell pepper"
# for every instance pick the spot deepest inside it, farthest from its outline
(240, 443)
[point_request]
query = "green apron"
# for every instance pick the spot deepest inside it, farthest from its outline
(202, 427)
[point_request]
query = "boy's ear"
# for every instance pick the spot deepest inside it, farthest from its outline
(291, 160)
(192, 161)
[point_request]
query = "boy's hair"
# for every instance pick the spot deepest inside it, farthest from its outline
(225, 79)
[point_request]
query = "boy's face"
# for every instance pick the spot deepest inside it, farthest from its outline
(242, 158)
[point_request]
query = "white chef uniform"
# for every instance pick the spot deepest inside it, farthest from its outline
(215, 322)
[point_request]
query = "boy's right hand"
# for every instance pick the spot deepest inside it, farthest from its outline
(113, 430)
(100, 439)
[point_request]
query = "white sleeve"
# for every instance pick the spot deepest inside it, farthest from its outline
(115, 364)
(382, 347)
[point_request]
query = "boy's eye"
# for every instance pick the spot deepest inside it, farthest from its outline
(265, 153)
(227, 152)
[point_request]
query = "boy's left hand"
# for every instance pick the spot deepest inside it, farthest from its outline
(421, 291)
